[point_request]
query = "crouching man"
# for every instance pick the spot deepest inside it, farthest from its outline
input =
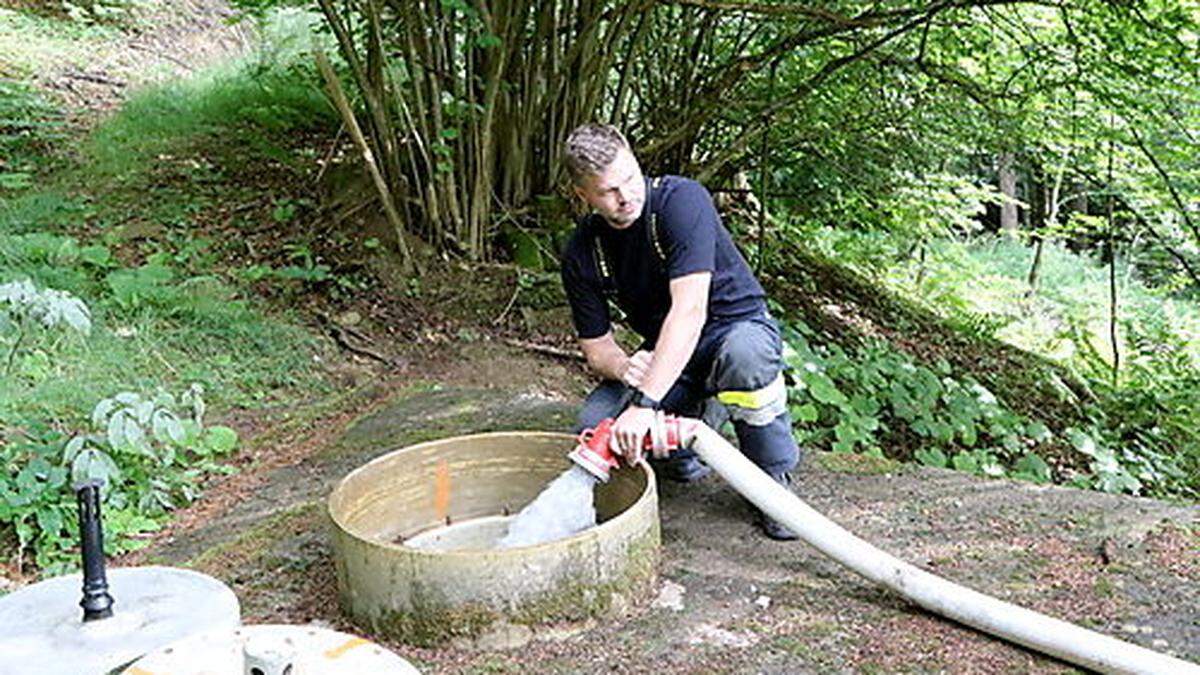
(656, 248)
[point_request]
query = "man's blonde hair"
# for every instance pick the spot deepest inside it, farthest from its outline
(591, 148)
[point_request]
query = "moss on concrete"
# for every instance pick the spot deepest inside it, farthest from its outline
(427, 412)
(845, 462)
(257, 542)
(433, 625)
(575, 602)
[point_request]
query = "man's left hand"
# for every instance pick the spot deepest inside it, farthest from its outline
(630, 432)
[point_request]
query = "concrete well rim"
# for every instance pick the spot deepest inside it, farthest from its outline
(648, 493)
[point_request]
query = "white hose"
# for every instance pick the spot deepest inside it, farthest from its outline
(1025, 627)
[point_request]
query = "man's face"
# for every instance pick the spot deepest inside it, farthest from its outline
(618, 192)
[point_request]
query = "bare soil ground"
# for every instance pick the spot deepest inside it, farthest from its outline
(728, 600)
(167, 40)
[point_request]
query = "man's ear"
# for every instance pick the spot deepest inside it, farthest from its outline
(579, 191)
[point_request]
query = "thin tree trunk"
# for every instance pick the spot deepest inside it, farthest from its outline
(1035, 267)
(1007, 176)
(1112, 276)
(385, 195)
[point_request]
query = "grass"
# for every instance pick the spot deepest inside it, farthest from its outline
(29, 42)
(138, 219)
(1067, 318)
(161, 316)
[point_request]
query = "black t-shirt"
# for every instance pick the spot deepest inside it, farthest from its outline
(693, 240)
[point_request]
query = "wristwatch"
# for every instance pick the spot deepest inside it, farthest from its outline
(641, 400)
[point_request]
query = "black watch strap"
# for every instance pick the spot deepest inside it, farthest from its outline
(641, 400)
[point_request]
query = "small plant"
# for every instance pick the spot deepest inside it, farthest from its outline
(848, 401)
(28, 127)
(1108, 473)
(151, 450)
(34, 501)
(24, 307)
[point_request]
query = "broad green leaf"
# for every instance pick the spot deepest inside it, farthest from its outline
(931, 457)
(72, 448)
(965, 461)
(135, 435)
(143, 411)
(825, 391)
(219, 440)
(805, 413)
(50, 520)
(967, 434)
(93, 464)
(1038, 432)
(1033, 467)
(166, 428)
(102, 410)
(116, 431)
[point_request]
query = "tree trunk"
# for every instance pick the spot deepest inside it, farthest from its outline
(1007, 176)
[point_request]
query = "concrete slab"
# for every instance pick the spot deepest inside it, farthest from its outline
(42, 629)
(272, 650)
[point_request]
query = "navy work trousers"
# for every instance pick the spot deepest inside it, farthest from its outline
(736, 356)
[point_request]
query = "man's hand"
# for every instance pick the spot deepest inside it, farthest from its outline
(630, 431)
(639, 363)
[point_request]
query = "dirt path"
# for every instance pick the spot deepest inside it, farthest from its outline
(730, 601)
(170, 40)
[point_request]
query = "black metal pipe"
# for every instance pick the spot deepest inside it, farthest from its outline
(96, 602)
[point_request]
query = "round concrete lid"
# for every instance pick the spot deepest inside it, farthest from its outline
(271, 649)
(42, 629)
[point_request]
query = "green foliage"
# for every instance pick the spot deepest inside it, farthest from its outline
(101, 11)
(87, 12)
(24, 308)
(170, 317)
(1143, 437)
(28, 126)
(524, 248)
(150, 325)
(243, 105)
(151, 451)
(876, 397)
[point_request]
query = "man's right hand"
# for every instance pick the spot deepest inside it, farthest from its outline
(636, 369)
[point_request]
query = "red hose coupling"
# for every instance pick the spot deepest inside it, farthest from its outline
(597, 458)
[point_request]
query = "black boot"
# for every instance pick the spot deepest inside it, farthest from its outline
(771, 527)
(680, 469)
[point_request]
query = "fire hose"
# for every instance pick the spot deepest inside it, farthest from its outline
(1031, 629)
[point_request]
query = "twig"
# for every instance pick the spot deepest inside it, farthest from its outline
(573, 354)
(339, 336)
(337, 138)
(97, 79)
(511, 301)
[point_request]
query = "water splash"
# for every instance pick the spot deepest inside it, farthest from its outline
(564, 508)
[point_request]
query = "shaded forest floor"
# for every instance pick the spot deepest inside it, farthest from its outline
(449, 354)
(727, 600)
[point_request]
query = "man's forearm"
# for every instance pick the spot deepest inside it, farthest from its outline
(676, 342)
(606, 357)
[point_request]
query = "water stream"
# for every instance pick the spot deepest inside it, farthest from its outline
(564, 508)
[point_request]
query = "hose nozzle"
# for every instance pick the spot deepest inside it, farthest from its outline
(594, 454)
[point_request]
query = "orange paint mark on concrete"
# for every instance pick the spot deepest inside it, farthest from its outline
(346, 646)
(134, 670)
(441, 490)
